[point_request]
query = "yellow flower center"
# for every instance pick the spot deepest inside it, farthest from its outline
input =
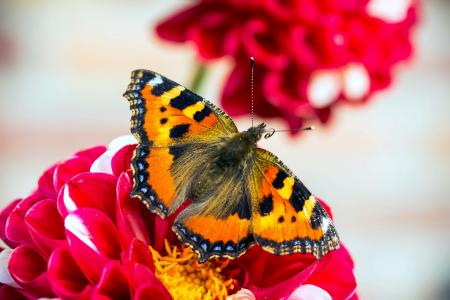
(185, 278)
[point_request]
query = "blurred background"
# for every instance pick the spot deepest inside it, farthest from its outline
(384, 168)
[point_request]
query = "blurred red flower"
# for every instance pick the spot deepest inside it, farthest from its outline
(80, 236)
(310, 55)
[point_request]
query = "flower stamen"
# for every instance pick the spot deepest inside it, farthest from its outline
(185, 278)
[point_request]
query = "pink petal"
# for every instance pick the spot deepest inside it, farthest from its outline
(3, 218)
(131, 213)
(45, 226)
(96, 190)
(91, 153)
(121, 161)
(68, 169)
(66, 278)
(92, 237)
(28, 268)
(113, 282)
(16, 229)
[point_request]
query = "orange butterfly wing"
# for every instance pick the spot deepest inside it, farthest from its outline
(168, 120)
(211, 236)
(286, 217)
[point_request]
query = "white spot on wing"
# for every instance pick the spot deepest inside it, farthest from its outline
(325, 224)
(155, 81)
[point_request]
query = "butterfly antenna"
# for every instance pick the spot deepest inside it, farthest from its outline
(252, 64)
(271, 131)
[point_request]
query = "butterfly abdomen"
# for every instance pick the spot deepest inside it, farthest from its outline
(233, 153)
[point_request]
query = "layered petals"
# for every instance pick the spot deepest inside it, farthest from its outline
(92, 238)
(81, 236)
(291, 41)
(65, 276)
(29, 270)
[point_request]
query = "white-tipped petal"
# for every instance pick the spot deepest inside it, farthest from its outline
(356, 81)
(309, 292)
(5, 276)
(323, 88)
(388, 10)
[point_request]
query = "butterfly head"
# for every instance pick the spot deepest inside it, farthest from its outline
(255, 133)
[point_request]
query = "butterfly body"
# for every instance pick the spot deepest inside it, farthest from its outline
(239, 149)
(241, 194)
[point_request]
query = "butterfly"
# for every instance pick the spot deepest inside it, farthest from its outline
(241, 194)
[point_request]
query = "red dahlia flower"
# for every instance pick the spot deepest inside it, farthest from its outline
(79, 235)
(310, 55)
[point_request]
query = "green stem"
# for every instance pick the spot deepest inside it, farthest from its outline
(198, 78)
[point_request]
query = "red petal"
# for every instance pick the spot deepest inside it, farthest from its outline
(45, 183)
(92, 237)
(303, 53)
(66, 278)
(141, 275)
(68, 169)
(283, 288)
(152, 291)
(3, 218)
(45, 226)
(16, 229)
(95, 190)
(236, 98)
(113, 282)
(10, 293)
(335, 274)
(263, 41)
(214, 34)
(175, 27)
(28, 268)
(132, 216)
(162, 230)
(140, 253)
(121, 161)
(91, 153)
(287, 91)
(264, 268)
